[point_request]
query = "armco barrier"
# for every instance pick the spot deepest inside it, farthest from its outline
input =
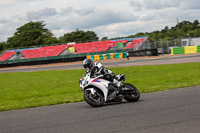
(37, 62)
(147, 52)
(185, 50)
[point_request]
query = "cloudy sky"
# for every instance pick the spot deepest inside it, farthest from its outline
(111, 18)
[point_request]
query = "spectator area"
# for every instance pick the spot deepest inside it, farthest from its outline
(43, 51)
(78, 48)
(96, 46)
(135, 43)
(7, 55)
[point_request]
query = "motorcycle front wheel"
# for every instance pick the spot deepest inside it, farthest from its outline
(133, 94)
(95, 100)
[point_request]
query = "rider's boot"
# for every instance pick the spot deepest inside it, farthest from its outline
(118, 84)
(119, 88)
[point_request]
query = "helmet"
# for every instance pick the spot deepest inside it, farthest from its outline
(88, 64)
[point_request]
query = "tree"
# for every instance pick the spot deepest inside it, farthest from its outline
(2, 46)
(165, 29)
(196, 23)
(31, 34)
(104, 38)
(181, 29)
(140, 34)
(79, 36)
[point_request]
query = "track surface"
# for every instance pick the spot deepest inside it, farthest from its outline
(118, 63)
(174, 111)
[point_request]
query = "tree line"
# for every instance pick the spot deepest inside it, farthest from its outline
(183, 29)
(35, 34)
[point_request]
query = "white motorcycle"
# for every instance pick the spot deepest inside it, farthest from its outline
(97, 90)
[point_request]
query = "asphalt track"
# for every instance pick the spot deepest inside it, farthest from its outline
(173, 111)
(118, 63)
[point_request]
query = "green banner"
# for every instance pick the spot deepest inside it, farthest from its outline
(198, 49)
(179, 50)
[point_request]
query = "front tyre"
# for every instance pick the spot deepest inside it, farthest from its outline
(95, 100)
(133, 94)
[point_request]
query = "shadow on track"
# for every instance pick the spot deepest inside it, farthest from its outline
(111, 104)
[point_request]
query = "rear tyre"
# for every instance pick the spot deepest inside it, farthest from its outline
(133, 94)
(95, 100)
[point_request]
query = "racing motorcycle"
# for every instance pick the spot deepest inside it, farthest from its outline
(99, 90)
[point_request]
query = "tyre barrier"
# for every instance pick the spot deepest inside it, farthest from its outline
(107, 56)
(185, 50)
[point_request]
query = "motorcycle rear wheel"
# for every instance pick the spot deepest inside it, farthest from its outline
(95, 100)
(134, 96)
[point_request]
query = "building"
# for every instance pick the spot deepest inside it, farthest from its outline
(190, 41)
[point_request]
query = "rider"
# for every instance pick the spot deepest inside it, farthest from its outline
(97, 68)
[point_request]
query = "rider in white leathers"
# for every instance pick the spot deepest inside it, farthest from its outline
(97, 69)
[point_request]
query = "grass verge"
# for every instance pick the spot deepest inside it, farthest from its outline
(33, 89)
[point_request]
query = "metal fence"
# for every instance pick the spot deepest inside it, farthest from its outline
(162, 45)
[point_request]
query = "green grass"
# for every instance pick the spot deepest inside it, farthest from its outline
(33, 89)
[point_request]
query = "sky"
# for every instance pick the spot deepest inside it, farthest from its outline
(107, 18)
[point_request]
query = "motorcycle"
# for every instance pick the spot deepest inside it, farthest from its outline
(98, 90)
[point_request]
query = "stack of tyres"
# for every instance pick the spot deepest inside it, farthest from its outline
(112, 55)
(96, 57)
(104, 56)
(120, 55)
(88, 57)
(124, 55)
(108, 56)
(101, 56)
(92, 57)
(116, 55)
